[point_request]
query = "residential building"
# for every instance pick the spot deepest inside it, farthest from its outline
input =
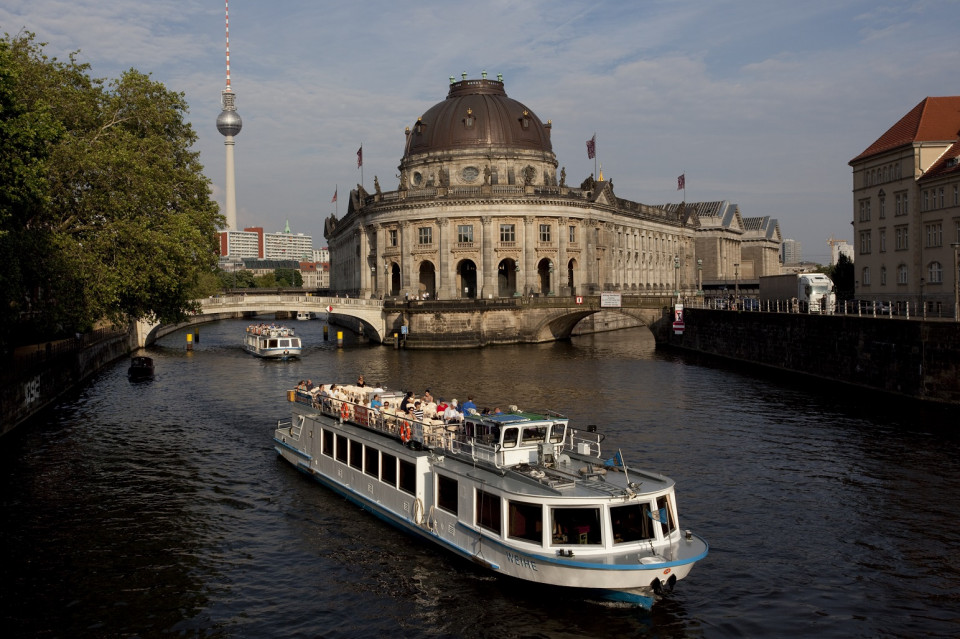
(905, 211)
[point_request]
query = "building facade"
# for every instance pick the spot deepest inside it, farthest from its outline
(906, 210)
(481, 210)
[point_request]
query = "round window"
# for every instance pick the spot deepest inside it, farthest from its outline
(470, 174)
(417, 178)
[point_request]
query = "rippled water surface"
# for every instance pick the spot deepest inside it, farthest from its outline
(160, 508)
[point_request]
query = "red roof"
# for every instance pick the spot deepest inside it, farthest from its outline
(946, 164)
(934, 119)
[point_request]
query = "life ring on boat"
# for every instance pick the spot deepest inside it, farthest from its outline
(405, 433)
(344, 411)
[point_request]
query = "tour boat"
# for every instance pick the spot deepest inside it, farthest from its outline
(304, 315)
(272, 341)
(522, 493)
(140, 367)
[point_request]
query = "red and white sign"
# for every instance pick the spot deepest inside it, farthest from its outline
(678, 328)
(579, 300)
(329, 309)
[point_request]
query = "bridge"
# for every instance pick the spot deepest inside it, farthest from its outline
(429, 324)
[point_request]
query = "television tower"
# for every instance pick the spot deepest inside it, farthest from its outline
(229, 124)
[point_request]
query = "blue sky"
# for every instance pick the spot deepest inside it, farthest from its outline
(761, 103)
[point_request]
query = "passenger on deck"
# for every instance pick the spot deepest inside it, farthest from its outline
(309, 385)
(360, 381)
(467, 405)
(375, 402)
(441, 406)
(406, 404)
(427, 397)
(452, 414)
(418, 411)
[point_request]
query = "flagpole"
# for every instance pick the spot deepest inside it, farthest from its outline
(625, 475)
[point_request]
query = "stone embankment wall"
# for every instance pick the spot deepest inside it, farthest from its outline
(40, 378)
(911, 357)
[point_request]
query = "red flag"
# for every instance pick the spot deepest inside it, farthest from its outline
(334, 198)
(360, 156)
(682, 182)
(592, 147)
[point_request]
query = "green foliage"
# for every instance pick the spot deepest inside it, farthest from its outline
(104, 209)
(267, 280)
(842, 274)
(236, 279)
(288, 277)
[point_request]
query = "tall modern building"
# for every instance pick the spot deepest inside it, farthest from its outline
(229, 125)
(791, 252)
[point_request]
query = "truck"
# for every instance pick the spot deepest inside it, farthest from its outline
(798, 292)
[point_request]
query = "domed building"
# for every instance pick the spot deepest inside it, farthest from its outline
(481, 210)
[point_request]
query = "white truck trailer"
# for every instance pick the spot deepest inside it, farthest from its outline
(798, 292)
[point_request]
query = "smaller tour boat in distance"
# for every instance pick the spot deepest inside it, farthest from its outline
(304, 315)
(140, 368)
(272, 342)
(522, 494)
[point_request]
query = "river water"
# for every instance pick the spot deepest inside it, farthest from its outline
(160, 508)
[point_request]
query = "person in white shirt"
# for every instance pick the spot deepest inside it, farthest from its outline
(452, 414)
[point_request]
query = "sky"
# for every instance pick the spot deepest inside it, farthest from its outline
(758, 102)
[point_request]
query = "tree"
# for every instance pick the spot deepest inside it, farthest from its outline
(842, 275)
(108, 215)
(289, 277)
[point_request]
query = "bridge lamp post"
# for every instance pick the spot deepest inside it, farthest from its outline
(676, 275)
(516, 289)
(956, 281)
(700, 276)
(550, 292)
(736, 283)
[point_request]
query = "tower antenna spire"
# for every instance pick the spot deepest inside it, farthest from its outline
(229, 125)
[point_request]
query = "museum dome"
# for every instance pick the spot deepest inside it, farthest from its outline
(477, 114)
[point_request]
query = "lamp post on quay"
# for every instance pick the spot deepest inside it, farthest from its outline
(736, 283)
(676, 275)
(700, 276)
(956, 281)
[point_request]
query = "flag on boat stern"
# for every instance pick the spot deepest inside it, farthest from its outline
(616, 460)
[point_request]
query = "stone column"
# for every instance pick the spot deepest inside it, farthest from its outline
(445, 276)
(406, 259)
(561, 286)
(529, 257)
(364, 261)
(488, 275)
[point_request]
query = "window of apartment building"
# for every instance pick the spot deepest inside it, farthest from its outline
(425, 235)
(956, 194)
(865, 276)
(865, 210)
(935, 273)
(902, 274)
(883, 240)
(886, 173)
(883, 276)
(544, 232)
(901, 233)
(573, 234)
(941, 197)
(956, 231)
(508, 233)
(393, 237)
(883, 206)
(935, 234)
(926, 201)
(465, 233)
(864, 242)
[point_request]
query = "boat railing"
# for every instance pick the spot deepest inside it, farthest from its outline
(583, 442)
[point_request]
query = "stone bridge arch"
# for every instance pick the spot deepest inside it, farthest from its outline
(559, 323)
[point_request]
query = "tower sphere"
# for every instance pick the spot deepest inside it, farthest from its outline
(229, 122)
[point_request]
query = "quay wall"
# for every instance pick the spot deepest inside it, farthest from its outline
(910, 357)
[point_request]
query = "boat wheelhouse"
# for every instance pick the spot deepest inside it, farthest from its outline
(272, 341)
(523, 493)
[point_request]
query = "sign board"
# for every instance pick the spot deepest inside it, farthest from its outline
(403, 330)
(678, 328)
(329, 309)
(579, 299)
(678, 313)
(610, 300)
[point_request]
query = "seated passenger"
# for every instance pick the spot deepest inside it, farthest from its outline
(452, 414)
(375, 402)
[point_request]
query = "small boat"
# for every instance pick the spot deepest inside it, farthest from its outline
(304, 315)
(140, 368)
(271, 341)
(522, 493)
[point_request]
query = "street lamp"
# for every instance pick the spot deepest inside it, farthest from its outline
(736, 282)
(956, 281)
(700, 276)
(676, 275)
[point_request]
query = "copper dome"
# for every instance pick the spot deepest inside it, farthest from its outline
(477, 114)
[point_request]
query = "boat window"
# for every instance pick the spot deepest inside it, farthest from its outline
(510, 437)
(273, 343)
(371, 461)
(534, 434)
(525, 521)
(447, 493)
(576, 526)
(408, 477)
(356, 455)
(327, 443)
(488, 511)
(295, 342)
(388, 470)
(556, 432)
(665, 516)
(341, 449)
(631, 523)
